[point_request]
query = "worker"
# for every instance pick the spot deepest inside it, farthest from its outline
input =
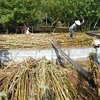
(96, 45)
(27, 31)
(73, 27)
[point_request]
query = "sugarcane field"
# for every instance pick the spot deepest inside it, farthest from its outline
(49, 49)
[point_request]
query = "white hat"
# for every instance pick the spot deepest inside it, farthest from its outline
(78, 22)
(96, 43)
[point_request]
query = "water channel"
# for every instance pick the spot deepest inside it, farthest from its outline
(21, 54)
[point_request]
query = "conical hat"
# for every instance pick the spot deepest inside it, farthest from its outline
(96, 43)
(78, 22)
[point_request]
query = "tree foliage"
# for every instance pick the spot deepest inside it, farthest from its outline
(16, 12)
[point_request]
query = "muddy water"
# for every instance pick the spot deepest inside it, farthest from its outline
(21, 54)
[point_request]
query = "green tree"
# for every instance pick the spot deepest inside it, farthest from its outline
(22, 12)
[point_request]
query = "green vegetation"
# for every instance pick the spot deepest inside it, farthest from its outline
(14, 13)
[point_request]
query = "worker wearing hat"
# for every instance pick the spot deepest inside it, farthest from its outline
(27, 31)
(73, 27)
(96, 45)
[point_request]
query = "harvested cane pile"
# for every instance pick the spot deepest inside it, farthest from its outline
(40, 41)
(40, 80)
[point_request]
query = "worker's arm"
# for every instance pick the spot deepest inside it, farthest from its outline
(82, 20)
(98, 57)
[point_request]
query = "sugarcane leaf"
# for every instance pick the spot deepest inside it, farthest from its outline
(4, 94)
(24, 67)
(44, 86)
(31, 99)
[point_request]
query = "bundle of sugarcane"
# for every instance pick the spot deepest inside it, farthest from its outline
(95, 71)
(36, 80)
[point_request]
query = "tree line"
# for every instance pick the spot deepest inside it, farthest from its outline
(16, 13)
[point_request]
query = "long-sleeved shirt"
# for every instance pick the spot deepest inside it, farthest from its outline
(73, 26)
(97, 55)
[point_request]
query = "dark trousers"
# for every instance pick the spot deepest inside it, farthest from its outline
(71, 33)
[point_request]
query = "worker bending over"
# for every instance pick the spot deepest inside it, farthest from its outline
(73, 27)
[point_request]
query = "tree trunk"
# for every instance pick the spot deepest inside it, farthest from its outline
(24, 28)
